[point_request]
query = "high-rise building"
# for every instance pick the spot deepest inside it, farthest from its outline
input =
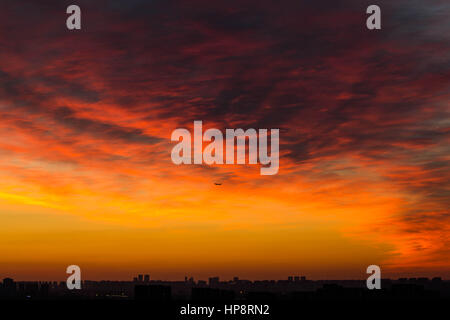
(9, 287)
(213, 281)
(146, 278)
(140, 278)
(9, 283)
(152, 292)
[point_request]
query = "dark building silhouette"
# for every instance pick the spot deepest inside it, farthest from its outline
(9, 283)
(408, 290)
(211, 294)
(299, 289)
(8, 288)
(260, 296)
(152, 292)
(213, 281)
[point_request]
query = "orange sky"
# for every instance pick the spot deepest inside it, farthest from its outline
(86, 176)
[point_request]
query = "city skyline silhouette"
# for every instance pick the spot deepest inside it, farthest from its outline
(358, 118)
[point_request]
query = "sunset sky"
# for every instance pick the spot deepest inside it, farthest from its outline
(86, 117)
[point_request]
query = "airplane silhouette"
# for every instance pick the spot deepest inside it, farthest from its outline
(217, 184)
